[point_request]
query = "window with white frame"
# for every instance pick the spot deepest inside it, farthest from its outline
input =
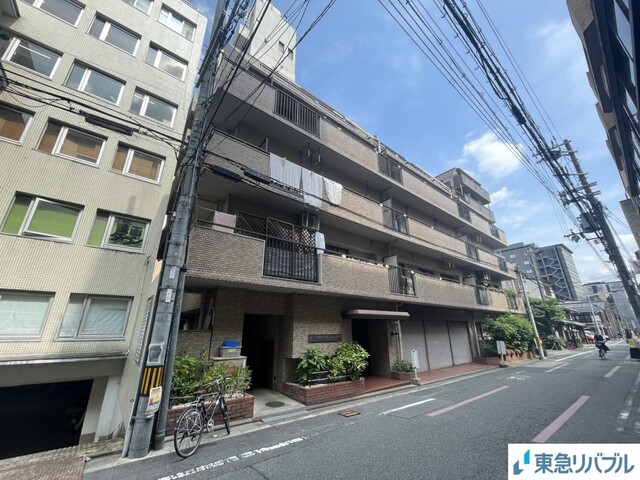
(13, 124)
(135, 163)
(152, 107)
(89, 316)
(91, 81)
(142, 5)
(166, 62)
(29, 55)
(39, 217)
(23, 314)
(71, 143)
(117, 231)
(65, 10)
(177, 23)
(115, 35)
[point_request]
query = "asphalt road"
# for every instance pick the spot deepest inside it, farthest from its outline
(460, 429)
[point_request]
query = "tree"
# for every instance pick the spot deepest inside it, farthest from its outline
(547, 315)
(513, 330)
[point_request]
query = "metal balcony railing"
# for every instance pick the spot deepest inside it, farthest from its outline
(482, 296)
(402, 281)
(395, 220)
(297, 113)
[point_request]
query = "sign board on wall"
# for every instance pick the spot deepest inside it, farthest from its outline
(325, 338)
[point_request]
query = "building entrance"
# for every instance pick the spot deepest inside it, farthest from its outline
(260, 346)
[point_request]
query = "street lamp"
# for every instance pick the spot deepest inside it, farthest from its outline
(593, 316)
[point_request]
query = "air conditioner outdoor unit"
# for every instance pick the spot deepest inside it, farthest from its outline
(309, 220)
(447, 264)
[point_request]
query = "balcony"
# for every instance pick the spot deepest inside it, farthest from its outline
(228, 258)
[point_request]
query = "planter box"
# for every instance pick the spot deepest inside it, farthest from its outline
(407, 376)
(315, 394)
(238, 408)
(508, 359)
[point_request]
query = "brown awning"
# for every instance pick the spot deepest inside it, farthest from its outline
(374, 314)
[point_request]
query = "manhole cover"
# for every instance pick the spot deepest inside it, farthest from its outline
(349, 413)
(274, 404)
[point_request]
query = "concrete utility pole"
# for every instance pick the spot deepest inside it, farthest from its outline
(530, 313)
(159, 356)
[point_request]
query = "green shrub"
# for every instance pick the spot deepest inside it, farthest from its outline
(403, 366)
(312, 360)
(353, 358)
(513, 330)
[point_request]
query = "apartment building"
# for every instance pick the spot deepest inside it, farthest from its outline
(92, 115)
(608, 32)
(310, 231)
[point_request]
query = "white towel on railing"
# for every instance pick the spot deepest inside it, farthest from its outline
(225, 222)
(312, 188)
(284, 171)
(333, 190)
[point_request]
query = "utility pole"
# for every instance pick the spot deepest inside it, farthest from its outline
(159, 356)
(530, 313)
(607, 238)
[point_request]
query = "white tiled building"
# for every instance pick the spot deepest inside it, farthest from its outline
(91, 122)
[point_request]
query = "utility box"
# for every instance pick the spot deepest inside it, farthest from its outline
(230, 348)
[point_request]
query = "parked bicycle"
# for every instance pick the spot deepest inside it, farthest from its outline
(198, 418)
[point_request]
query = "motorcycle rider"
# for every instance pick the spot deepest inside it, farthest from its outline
(599, 342)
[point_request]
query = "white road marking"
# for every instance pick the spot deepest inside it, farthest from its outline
(628, 405)
(234, 458)
(407, 406)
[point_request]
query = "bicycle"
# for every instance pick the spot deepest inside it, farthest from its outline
(198, 418)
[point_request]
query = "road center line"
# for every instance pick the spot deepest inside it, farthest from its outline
(611, 372)
(561, 420)
(556, 368)
(407, 406)
(460, 404)
(571, 356)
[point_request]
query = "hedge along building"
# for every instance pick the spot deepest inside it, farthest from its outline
(94, 108)
(307, 230)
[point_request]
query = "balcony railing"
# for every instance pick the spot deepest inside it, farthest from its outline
(297, 113)
(395, 220)
(482, 296)
(402, 281)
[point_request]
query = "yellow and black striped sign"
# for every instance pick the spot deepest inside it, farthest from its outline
(151, 378)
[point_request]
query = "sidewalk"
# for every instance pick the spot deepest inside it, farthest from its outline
(68, 463)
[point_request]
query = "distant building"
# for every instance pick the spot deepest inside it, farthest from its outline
(617, 302)
(552, 266)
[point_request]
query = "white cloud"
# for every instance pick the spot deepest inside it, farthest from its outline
(500, 196)
(494, 158)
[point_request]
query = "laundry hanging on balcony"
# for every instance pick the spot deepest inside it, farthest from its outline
(284, 171)
(333, 190)
(312, 188)
(224, 222)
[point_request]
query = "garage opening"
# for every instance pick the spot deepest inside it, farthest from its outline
(37, 418)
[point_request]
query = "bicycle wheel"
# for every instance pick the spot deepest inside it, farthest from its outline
(225, 414)
(188, 432)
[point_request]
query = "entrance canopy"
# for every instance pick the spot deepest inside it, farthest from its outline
(374, 314)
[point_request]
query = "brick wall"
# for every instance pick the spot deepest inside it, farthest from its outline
(238, 408)
(316, 394)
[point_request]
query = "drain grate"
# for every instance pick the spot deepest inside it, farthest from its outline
(349, 413)
(274, 404)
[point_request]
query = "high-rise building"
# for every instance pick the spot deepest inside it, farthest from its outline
(551, 265)
(309, 231)
(92, 115)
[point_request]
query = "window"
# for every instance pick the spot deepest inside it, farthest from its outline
(114, 35)
(23, 314)
(92, 317)
(390, 168)
(71, 143)
(142, 5)
(13, 124)
(165, 62)
(111, 230)
(464, 212)
(281, 47)
(152, 107)
(472, 251)
(65, 10)
(527, 262)
(176, 23)
(29, 55)
(512, 255)
(39, 217)
(91, 81)
(137, 164)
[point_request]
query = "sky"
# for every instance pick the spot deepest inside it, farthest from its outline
(359, 61)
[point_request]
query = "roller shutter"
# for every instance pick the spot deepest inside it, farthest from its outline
(460, 346)
(438, 346)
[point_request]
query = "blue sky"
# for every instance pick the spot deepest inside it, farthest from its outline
(361, 63)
